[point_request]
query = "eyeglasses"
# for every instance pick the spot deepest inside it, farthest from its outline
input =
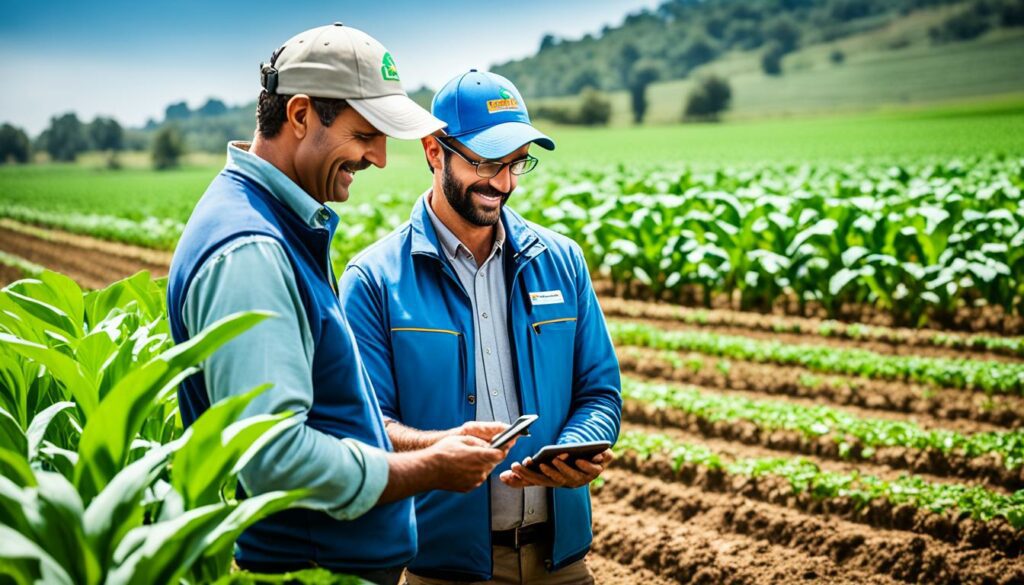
(490, 168)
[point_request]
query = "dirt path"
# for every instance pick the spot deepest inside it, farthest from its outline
(91, 262)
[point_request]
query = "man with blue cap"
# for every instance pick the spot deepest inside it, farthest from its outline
(469, 313)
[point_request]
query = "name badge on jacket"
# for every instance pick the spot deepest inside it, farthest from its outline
(546, 297)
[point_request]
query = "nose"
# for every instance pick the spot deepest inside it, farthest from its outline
(377, 154)
(504, 181)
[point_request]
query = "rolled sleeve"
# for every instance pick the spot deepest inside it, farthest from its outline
(345, 477)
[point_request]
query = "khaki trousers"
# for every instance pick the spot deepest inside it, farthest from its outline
(522, 567)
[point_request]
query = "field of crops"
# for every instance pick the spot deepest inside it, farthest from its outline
(823, 368)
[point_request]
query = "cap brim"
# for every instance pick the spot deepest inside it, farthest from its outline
(499, 141)
(397, 116)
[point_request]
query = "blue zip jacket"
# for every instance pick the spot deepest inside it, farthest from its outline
(344, 404)
(413, 323)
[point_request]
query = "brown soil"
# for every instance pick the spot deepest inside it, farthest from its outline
(9, 274)
(967, 318)
(610, 572)
(888, 340)
(90, 262)
(817, 340)
(683, 531)
(995, 535)
(1004, 411)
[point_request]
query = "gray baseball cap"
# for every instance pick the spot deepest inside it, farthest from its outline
(341, 62)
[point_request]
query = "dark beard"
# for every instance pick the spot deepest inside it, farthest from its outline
(461, 198)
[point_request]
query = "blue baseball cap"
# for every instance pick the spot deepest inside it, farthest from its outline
(485, 112)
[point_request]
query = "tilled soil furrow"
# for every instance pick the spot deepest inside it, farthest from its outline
(989, 469)
(1003, 411)
(611, 572)
(690, 552)
(900, 341)
(732, 450)
(91, 268)
(949, 525)
(853, 550)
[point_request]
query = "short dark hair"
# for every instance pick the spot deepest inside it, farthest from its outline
(272, 112)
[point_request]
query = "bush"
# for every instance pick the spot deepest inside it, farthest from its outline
(708, 99)
(771, 61)
(962, 27)
(837, 56)
(167, 148)
(14, 145)
(595, 109)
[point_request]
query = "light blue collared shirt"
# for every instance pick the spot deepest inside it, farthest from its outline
(346, 477)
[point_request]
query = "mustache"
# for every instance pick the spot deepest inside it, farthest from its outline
(489, 191)
(354, 167)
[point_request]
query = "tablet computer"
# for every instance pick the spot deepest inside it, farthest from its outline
(575, 450)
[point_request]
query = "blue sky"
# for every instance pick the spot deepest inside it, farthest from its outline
(131, 59)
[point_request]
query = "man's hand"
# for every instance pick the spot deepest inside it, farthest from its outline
(463, 462)
(559, 473)
(485, 431)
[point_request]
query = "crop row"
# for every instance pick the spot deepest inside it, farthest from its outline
(989, 376)
(830, 432)
(805, 476)
(1011, 346)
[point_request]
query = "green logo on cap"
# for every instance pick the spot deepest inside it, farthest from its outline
(505, 94)
(388, 70)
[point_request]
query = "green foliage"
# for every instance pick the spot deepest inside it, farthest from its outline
(14, 145)
(805, 476)
(823, 421)
(989, 376)
(65, 139)
(709, 99)
(99, 482)
(168, 147)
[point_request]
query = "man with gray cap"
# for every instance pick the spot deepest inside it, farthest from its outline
(259, 239)
(468, 312)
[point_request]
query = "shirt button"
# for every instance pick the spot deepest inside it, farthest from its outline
(531, 511)
(488, 350)
(484, 315)
(494, 392)
(482, 274)
(472, 399)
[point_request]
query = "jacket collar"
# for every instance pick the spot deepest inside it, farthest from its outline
(524, 241)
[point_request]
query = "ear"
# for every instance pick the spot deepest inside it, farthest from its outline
(433, 152)
(298, 112)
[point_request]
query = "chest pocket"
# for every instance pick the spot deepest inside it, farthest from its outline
(429, 366)
(552, 343)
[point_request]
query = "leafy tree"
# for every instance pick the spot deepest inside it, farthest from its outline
(547, 42)
(108, 136)
(643, 75)
(212, 107)
(177, 111)
(625, 60)
(708, 99)
(837, 56)
(14, 145)
(771, 60)
(66, 138)
(784, 32)
(168, 147)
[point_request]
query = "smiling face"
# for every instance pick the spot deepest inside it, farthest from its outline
(327, 157)
(476, 199)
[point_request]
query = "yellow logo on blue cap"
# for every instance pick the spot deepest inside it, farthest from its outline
(505, 103)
